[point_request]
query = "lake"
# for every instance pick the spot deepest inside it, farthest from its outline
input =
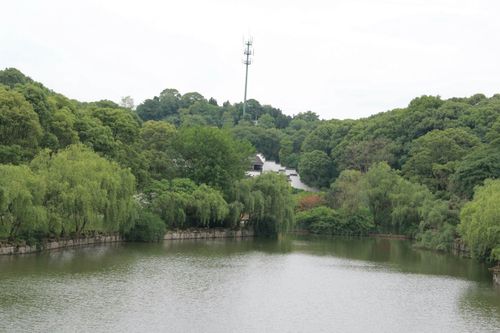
(293, 284)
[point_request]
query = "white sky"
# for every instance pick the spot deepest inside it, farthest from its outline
(338, 58)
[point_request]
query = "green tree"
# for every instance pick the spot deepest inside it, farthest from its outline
(347, 192)
(480, 164)
(272, 192)
(326, 136)
(191, 98)
(324, 220)
(127, 102)
(85, 191)
(19, 123)
(95, 135)
(158, 146)
(62, 126)
(11, 76)
(182, 203)
(480, 221)
(400, 206)
(212, 156)
(266, 121)
(360, 155)
(432, 156)
(148, 227)
(22, 210)
(316, 168)
(122, 122)
(39, 100)
(265, 141)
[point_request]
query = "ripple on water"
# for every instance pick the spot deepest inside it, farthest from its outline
(239, 287)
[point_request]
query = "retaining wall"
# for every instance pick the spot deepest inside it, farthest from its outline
(6, 249)
(207, 234)
(59, 244)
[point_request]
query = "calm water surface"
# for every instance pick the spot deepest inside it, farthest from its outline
(298, 284)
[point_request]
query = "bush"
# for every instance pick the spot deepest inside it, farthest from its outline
(324, 220)
(148, 227)
(437, 239)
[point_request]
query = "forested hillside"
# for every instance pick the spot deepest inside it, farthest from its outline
(178, 160)
(69, 168)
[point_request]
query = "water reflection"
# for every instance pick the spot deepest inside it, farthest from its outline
(299, 283)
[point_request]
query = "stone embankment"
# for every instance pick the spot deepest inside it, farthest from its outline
(6, 249)
(207, 234)
(59, 244)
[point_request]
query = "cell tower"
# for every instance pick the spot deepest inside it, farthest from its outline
(248, 61)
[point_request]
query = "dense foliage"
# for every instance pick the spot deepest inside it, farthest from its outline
(69, 168)
(66, 193)
(180, 158)
(480, 221)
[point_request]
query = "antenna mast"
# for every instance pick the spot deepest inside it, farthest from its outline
(248, 52)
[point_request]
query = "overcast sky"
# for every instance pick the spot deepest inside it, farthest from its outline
(340, 59)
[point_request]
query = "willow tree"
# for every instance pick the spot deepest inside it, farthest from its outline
(86, 191)
(21, 202)
(274, 193)
(182, 203)
(480, 221)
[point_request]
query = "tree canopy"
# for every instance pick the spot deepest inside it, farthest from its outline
(179, 160)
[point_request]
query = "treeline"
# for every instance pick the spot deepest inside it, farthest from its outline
(419, 171)
(411, 171)
(69, 168)
(416, 171)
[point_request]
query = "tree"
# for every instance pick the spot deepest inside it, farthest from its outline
(203, 113)
(190, 98)
(95, 135)
(19, 124)
(324, 220)
(148, 227)
(273, 193)
(212, 156)
(265, 141)
(160, 107)
(62, 127)
(123, 123)
(39, 100)
(11, 76)
(347, 192)
(480, 222)
(432, 156)
(379, 182)
(307, 116)
(316, 168)
(157, 135)
(308, 200)
(85, 191)
(151, 109)
(480, 164)
(360, 155)
(266, 121)
(326, 136)
(127, 102)
(22, 210)
(400, 206)
(182, 203)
